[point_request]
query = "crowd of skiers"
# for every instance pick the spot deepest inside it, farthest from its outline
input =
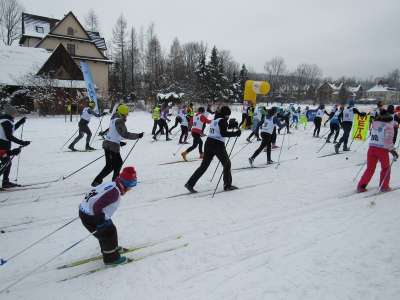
(265, 124)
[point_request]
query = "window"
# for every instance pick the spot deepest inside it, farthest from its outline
(70, 31)
(71, 49)
(39, 29)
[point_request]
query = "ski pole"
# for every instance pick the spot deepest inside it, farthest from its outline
(88, 164)
(325, 133)
(97, 130)
(358, 172)
(386, 175)
(216, 168)
(134, 145)
(3, 261)
(176, 133)
(280, 152)
(70, 138)
(252, 139)
(22, 132)
(45, 263)
(319, 150)
(180, 147)
(234, 143)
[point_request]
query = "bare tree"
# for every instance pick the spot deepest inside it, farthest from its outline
(92, 21)
(192, 52)
(119, 42)
(10, 20)
(133, 58)
(176, 61)
(275, 69)
(306, 76)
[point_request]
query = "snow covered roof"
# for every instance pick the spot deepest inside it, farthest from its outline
(168, 95)
(97, 39)
(18, 62)
(354, 89)
(335, 87)
(380, 88)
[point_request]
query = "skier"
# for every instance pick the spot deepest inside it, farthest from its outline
(178, 119)
(84, 121)
(112, 144)
(331, 114)
(245, 109)
(155, 114)
(258, 118)
(163, 121)
(396, 120)
(190, 114)
(215, 146)
(184, 126)
(318, 119)
(347, 117)
(197, 130)
(334, 125)
(267, 129)
(7, 129)
(97, 209)
(381, 143)
(285, 116)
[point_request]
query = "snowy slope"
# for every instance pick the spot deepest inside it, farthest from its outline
(293, 236)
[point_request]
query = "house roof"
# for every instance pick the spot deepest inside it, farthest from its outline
(30, 22)
(18, 62)
(380, 88)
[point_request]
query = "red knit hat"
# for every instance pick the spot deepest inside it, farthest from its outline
(128, 177)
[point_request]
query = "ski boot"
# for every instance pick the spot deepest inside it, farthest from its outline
(251, 160)
(190, 188)
(71, 147)
(183, 154)
(201, 155)
(270, 162)
(345, 148)
(248, 140)
(361, 189)
(120, 261)
(337, 146)
(328, 141)
(154, 138)
(8, 184)
(88, 148)
(96, 183)
(230, 187)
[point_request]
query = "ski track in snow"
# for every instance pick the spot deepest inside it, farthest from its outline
(297, 235)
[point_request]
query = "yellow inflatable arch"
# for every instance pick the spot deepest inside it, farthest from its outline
(253, 88)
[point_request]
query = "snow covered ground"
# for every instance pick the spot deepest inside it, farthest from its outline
(289, 233)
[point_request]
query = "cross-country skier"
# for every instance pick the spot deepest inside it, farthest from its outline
(197, 130)
(334, 124)
(97, 209)
(331, 114)
(259, 114)
(7, 128)
(185, 118)
(267, 129)
(396, 120)
(347, 117)
(155, 114)
(178, 119)
(381, 143)
(86, 115)
(318, 119)
(163, 121)
(112, 144)
(215, 146)
(245, 109)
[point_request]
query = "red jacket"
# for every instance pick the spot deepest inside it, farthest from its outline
(198, 128)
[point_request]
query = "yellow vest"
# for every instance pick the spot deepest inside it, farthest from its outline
(156, 113)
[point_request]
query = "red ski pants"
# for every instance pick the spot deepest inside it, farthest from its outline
(374, 155)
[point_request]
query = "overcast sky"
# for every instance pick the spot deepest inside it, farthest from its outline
(344, 37)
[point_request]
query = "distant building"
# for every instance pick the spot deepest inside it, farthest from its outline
(24, 68)
(81, 44)
(330, 92)
(384, 93)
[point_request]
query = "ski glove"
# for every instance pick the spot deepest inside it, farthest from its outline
(122, 144)
(395, 154)
(15, 151)
(22, 121)
(238, 133)
(141, 135)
